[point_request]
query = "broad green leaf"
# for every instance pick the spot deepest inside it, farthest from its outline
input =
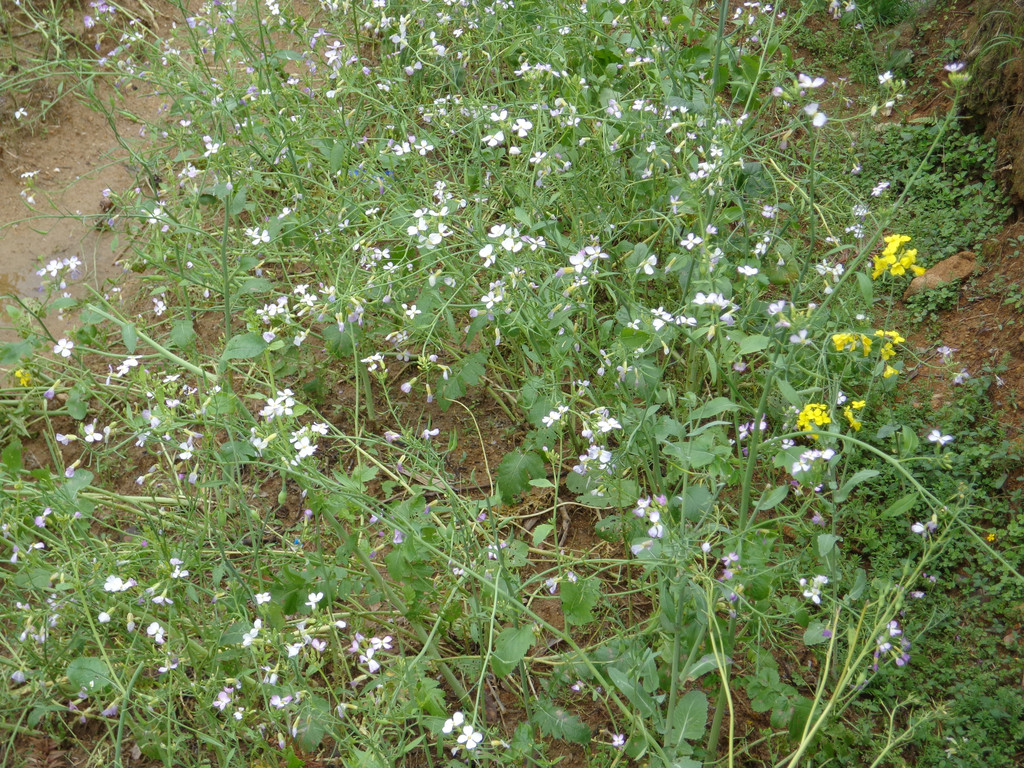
(541, 533)
(237, 204)
(558, 723)
(15, 351)
(516, 471)
(787, 391)
(89, 673)
(579, 599)
(130, 337)
(690, 716)
(771, 499)
(815, 634)
(901, 505)
(631, 689)
(337, 158)
(860, 583)
(847, 488)
(752, 344)
(826, 543)
(255, 285)
(182, 333)
(11, 456)
(510, 648)
(713, 408)
(244, 346)
(802, 708)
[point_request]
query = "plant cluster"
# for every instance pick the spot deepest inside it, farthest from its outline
(240, 519)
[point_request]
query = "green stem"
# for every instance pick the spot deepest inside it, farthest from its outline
(202, 373)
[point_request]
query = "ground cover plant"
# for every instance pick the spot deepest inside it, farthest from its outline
(495, 384)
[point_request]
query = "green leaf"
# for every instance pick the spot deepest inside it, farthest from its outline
(310, 727)
(244, 346)
(867, 290)
(844, 493)
(690, 716)
(579, 599)
(802, 708)
(556, 722)
(629, 686)
(826, 543)
(182, 333)
(703, 665)
(860, 583)
(752, 344)
(510, 648)
(541, 533)
(815, 633)
(11, 456)
(901, 506)
(472, 368)
(713, 408)
(255, 285)
(771, 499)
(15, 351)
(90, 673)
(787, 391)
(516, 471)
(337, 158)
(237, 204)
(130, 337)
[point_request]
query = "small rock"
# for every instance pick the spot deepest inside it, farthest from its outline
(956, 267)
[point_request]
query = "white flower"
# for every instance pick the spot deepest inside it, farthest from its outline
(691, 241)
(935, 436)
(314, 599)
(63, 348)
(155, 631)
(471, 738)
(818, 118)
(279, 406)
(453, 722)
(262, 597)
(813, 591)
(521, 127)
(648, 265)
(117, 584)
(258, 236)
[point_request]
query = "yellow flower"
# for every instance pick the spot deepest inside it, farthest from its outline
(23, 376)
(849, 341)
(848, 412)
(844, 341)
(889, 371)
(990, 537)
(894, 335)
(894, 261)
(894, 242)
(813, 414)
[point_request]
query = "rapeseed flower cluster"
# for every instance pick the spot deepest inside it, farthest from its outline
(813, 415)
(850, 341)
(850, 412)
(895, 260)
